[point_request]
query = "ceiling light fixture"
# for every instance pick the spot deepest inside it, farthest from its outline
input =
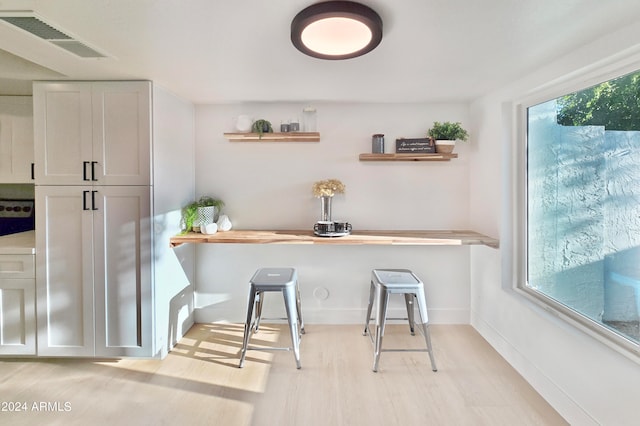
(336, 30)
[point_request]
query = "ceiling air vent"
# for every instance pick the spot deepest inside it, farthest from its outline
(78, 48)
(41, 29)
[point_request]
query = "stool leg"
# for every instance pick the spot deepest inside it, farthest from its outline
(408, 300)
(259, 297)
(427, 338)
(383, 299)
(299, 308)
(368, 318)
(290, 305)
(424, 318)
(247, 327)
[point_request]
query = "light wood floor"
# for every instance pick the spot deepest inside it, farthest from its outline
(199, 383)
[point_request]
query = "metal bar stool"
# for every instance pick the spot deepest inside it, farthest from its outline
(284, 280)
(396, 281)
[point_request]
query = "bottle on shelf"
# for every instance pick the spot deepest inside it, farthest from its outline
(309, 119)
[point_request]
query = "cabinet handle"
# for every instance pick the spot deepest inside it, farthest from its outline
(84, 170)
(33, 175)
(93, 200)
(84, 200)
(93, 171)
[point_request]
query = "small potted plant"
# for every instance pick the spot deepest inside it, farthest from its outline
(205, 210)
(189, 217)
(261, 126)
(446, 134)
(208, 210)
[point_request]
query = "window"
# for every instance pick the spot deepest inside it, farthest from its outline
(583, 207)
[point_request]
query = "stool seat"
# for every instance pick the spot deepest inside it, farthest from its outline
(396, 278)
(274, 278)
(385, 282)
(284, 280)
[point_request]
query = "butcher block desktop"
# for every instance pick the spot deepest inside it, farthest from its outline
(373, 237)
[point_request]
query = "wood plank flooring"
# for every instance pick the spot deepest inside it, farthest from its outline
(199, 383)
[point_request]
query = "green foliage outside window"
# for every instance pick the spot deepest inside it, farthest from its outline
(614, 104)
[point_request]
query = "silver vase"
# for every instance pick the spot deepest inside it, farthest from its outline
(325, 208)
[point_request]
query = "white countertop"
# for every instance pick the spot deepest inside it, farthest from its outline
(20, 243)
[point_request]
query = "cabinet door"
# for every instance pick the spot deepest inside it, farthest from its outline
(96, 133)
(63, 133)
(17, 317)
(17, 305)
(122, 247)
(16, 139)
(64, 271)
(122, 132)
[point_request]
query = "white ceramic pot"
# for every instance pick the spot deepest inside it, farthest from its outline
(206, 215)
(444, 146)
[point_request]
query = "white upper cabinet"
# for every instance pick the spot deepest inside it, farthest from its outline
(16, 139)
(92, 133)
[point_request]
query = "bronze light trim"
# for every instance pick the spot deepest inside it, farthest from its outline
(329, 19)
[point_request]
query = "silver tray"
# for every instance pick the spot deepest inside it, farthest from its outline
(331, 234)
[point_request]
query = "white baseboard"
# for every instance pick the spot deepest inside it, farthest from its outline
(553, 394)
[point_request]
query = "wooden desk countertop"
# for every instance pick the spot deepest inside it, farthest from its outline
(285, 236)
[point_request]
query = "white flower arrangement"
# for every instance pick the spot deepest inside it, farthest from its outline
(328, 188)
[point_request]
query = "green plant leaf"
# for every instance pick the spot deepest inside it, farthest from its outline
(448, 131)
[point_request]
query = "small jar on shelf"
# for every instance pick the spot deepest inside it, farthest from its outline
(309, 119)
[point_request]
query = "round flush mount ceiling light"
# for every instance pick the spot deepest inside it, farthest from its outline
(336, 30)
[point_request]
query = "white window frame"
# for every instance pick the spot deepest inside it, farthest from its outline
(515, 273)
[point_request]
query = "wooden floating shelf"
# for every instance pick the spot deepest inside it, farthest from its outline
(407, 157)
(274, 137)
(366, 237)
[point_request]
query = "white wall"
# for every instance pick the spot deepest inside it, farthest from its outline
(585, 380)
(268, 186)
(173, 187)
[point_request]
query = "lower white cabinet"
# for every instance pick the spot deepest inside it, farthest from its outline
(17, 305)
(94, 294)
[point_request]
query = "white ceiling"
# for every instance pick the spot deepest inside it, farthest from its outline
(217, 51)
